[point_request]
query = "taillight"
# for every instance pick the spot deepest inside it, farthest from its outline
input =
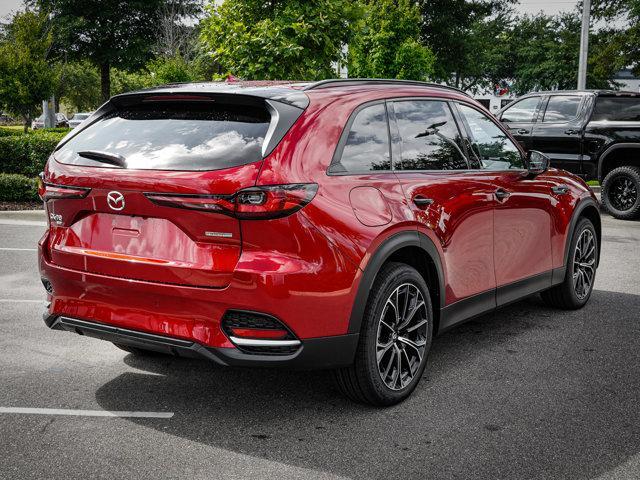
(255, 203)
(47, 191)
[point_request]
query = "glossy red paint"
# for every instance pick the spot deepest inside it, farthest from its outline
(171, 271)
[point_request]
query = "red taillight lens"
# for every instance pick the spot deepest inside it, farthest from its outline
(255, 203)
(51, 192)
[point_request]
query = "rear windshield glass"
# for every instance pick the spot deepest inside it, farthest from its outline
(167, 136)
(619, 109)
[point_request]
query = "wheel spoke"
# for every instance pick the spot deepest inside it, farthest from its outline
(416, 326)
(408, 319)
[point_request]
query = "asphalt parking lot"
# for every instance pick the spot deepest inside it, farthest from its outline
(528, 392)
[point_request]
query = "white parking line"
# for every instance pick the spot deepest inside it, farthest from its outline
(25, 223)
(17, 300)
(6, 249)
(85, 413)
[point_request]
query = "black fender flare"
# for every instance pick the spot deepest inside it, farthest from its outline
(408, 238)
(612, 148)
(577, 213)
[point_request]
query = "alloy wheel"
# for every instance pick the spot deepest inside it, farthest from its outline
(402, 336)
(623, 193)
(584, 264)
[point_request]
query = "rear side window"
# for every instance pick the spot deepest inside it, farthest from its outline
(367, 144)
(172, 136)
(523, 111)
(617, 109)
(562, 109)
(430, 137)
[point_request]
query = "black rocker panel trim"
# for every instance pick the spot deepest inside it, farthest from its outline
(409, 238)
(485, 302)
(515, 291)
(466, 309)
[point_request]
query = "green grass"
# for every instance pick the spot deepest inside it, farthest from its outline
(593, 183)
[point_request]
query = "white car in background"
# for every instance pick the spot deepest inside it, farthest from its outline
(78, 118)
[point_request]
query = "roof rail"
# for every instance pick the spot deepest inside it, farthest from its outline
(335, 82)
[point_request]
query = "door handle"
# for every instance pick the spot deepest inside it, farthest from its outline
(501, 194)
(560, 189)
(522, 131)
(422, 201)
(570, 131)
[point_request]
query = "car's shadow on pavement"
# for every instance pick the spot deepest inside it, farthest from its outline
(527, 392)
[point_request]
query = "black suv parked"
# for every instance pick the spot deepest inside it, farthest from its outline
(595, 134)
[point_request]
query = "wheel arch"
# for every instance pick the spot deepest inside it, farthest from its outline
(413, 248)
(586, 208)
(616, 156)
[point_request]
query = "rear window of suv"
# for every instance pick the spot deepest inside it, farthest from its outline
(621, 109)
(174, 136)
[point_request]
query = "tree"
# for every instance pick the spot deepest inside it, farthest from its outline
(118, 33)
(77, 84)
(278, 39)
(385, 42)
(548, 59)
(464, 35)
(623, 41)
(25, 76)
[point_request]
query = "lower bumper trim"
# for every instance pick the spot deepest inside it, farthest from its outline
(315, 353)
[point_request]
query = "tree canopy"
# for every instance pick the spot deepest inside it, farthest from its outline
(120, 33)
(386, 42)
(26, 79)
(278, 39)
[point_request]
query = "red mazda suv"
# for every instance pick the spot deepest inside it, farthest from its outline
(339, 224)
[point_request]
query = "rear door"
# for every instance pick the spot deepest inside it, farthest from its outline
(157, 173)
(520, 118)
(523, 210)
(558, 134)
(449, 195)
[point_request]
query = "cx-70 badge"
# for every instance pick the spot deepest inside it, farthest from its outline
(115, 200)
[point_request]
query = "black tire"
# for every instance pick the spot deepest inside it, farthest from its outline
(138, 352)
(363, 381)
(567, 295)
(621, 192)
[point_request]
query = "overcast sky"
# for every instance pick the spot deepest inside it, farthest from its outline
(526, 6)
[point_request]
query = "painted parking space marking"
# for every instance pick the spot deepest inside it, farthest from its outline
(24, 223)
(84, 413)
(7, 249)
(19, 300)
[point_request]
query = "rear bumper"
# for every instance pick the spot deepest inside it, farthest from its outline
(316, 353)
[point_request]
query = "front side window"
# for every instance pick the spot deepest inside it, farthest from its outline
(367, 144)
(430, 137)
(523, 111)
(489, 143)
(562, 109)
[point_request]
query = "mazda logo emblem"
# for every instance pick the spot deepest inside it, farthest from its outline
(115, 200)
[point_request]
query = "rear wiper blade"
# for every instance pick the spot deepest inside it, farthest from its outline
(105, 157)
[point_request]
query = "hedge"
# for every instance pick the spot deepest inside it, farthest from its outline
(26, 154)
(18, 188)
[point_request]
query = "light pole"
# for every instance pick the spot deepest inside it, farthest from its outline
(584, 45)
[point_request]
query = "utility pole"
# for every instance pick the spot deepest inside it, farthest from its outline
(584, 45)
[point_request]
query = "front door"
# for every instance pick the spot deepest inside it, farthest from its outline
(559, 133)
(522, 210)
(520, 118)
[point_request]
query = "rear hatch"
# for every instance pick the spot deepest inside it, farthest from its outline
(145, 189)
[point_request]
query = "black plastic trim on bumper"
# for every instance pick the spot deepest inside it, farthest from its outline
(315, 353)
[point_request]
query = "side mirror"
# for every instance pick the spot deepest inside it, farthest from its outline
(537, 162)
